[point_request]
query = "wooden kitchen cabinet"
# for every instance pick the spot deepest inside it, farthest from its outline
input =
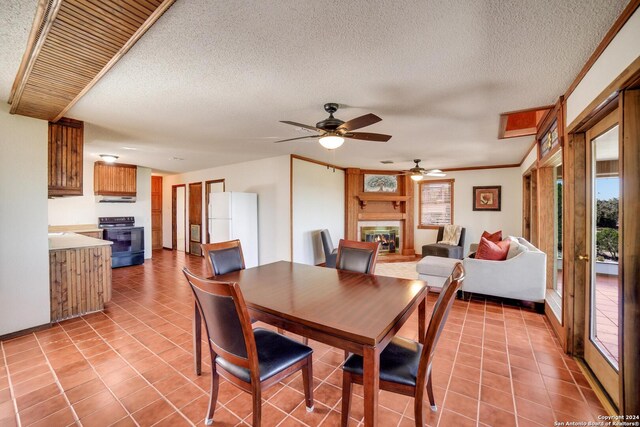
(114, 179)
(66, 139)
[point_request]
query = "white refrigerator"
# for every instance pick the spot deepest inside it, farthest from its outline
(234, 215)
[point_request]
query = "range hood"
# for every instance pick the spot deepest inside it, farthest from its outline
(115, 199)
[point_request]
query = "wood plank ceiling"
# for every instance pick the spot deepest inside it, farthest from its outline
(72, 44)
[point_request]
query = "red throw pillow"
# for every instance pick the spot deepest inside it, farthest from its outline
(495, 237)
(492, 251)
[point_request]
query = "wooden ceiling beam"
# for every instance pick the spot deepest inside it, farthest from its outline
(72, 44)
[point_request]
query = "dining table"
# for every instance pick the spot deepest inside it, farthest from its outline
(359, 313)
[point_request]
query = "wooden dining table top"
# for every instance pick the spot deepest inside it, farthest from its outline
(359, 307)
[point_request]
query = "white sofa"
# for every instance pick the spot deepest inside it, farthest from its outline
(522, 276)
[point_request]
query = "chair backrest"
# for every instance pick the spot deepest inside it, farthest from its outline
(327, 243)
(223, 257)
(438, 319)
(441, 235)
(355, 256)
(226, 319)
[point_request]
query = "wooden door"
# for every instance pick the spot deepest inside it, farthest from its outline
(156, 212)
(601, 259)
(195, 218)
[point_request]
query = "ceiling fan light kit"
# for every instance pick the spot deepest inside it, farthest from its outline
(331, 142)
(417, 173)
(333, 132)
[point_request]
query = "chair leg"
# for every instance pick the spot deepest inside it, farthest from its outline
(305, 340)
(307, 381)
(346, 398)
(257, 405)
(432, 400)
(213, 398)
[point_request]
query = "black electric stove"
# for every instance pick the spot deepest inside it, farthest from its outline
(128, 240)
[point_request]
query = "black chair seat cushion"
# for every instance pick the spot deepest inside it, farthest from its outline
(398, 362)
(442, 250)
(275, 353)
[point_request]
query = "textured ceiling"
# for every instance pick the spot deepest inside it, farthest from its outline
(209, 81)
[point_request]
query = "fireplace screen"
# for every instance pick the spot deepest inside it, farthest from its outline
(387, 236)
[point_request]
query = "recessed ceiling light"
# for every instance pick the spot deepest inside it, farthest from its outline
(386, 162)
(177, 158)
(129, 148)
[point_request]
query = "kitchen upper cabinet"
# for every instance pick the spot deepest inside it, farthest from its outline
(66, 138)
(114, 179)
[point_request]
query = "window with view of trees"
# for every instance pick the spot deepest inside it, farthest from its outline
(436, 203)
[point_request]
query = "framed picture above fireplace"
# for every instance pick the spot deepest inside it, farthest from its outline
(487, 198)
(380, 183)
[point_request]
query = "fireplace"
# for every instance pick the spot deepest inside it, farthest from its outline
(388, 236)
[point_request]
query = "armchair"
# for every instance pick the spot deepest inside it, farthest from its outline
(443, 250)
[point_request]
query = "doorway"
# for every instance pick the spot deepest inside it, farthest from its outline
(602, 302)
(195, 218)
(178, 220)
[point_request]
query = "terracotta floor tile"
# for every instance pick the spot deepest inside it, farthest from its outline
(492, 416)
(287, 399)
(184, 395)
(126, 387)
(85, 390)
(63, 417)
(463, 405)
(139, 399)
(314, 418)
(41, 410)
(468, 388)
(449, 418)
(497, 398)
(93, 403)
(105, 416)
(153, 412)
(197, 409)
(37, 396)
(177, 420)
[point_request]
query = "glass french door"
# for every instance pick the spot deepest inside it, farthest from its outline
(602, 326)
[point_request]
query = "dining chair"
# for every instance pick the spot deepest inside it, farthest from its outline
(251, 359)
(405, 365)
(223, 257)
(359, 257)
(226, 257)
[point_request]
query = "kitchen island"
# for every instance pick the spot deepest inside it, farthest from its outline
(79, 274)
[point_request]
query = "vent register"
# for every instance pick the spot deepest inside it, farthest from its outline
(72, 44)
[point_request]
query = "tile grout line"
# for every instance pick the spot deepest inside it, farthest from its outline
(484, 330)
(444, 399)
(11, 391)
(506, 337)
(55, 376)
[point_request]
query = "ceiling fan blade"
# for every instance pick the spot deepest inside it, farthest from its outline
(295, 139)
(359, 122)
(375, 137)
(300, 125)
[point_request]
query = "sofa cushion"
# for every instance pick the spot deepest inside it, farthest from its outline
(489, 250)
(515, 247)
(495, 237)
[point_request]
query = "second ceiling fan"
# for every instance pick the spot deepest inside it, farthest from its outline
(417, 173)
(334, 131)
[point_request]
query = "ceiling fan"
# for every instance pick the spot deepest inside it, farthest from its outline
(334, 131)
(417, 173)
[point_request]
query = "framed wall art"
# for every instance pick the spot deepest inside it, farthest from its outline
(380, 183)
(487, 198)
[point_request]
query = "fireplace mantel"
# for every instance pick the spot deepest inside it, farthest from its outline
(396, 199)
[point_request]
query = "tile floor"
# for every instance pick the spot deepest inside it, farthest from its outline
(131, 365)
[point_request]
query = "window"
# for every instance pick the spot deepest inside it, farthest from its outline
(436, 203)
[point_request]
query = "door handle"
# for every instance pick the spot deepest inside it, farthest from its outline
(583, 258)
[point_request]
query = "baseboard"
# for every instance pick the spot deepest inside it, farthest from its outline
(27, 331)
(166, 248)
(597, 388)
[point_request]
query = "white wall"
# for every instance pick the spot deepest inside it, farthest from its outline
(84, 209)
(508, 219)
(24, 251)
(318, 203)
(621, 52)
(269, 178)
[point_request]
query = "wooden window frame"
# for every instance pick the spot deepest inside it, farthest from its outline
(434, 181)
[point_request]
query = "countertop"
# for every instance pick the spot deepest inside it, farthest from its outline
(77, 228)
(65, 240)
